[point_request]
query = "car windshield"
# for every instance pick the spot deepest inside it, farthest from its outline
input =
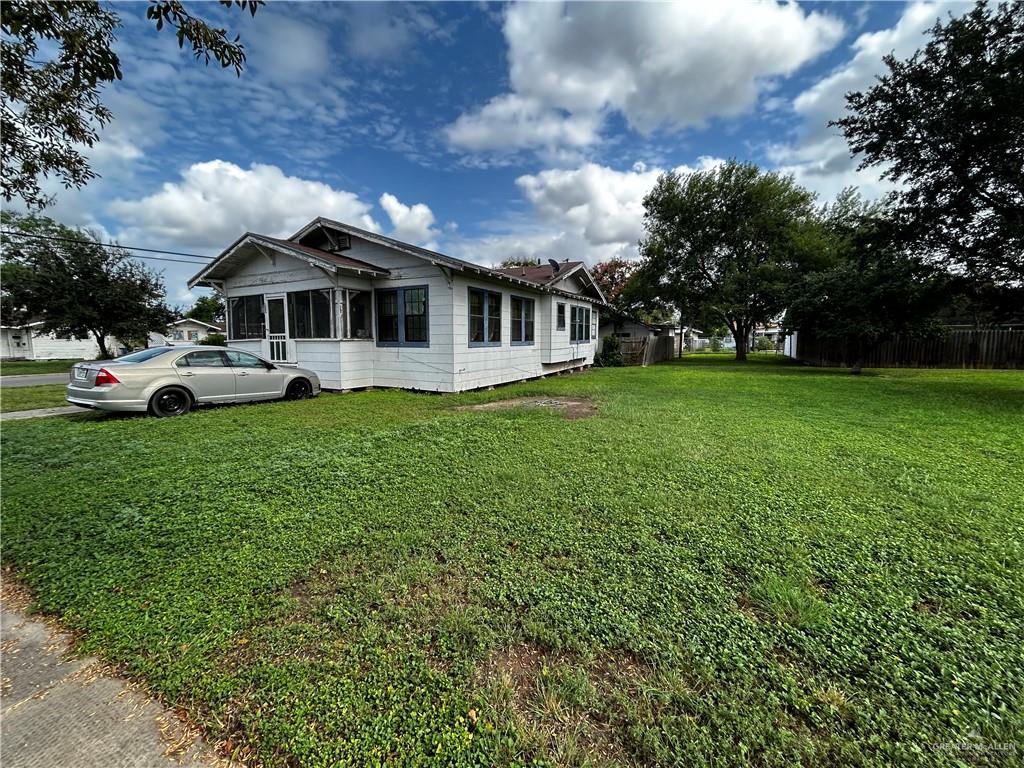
(143, 355)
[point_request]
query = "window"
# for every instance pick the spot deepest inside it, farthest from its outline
(193, 335)
(177, 335)
(358, 315)
(206, 359)
(522, 320)
(579, 331)
(561, 317)
(243, 359)
(415, 315)
(144, 354)
(309, 314)
(484, 318)
(245, 317)
(403, 317)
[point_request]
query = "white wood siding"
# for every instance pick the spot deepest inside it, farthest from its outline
(448, 363)
(488, 366)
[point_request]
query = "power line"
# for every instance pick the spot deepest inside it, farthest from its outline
(113, 245)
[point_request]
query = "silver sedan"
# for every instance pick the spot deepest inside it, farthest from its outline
(169, 381)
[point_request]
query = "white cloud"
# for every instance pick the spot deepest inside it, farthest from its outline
(820, 158)
(387, 31)
(592, 212)
(513, 122)
(411, 223)
(216, 201)
(662, 65)
(289, 50)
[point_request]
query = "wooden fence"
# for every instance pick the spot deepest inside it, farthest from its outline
(646, 350)
(957, 349)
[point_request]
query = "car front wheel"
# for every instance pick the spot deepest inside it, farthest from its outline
(299, 389)
(170, 401)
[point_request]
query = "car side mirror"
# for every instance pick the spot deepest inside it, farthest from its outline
(271, 367)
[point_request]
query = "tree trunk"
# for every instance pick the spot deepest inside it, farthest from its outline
(740, 337)
(101, 342)
(858, 357)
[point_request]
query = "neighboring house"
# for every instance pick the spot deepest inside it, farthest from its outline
(29, 342)
(365, 310)
(185, 331)
(693, 339)
(624, 327)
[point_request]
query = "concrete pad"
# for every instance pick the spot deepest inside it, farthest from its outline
(56, 710)
(36, 413)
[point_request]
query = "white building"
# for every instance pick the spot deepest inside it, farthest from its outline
(185, 331)
(363, 310)
(29, 342)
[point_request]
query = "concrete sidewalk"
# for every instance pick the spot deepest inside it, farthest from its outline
(57, 710)
(35, 413)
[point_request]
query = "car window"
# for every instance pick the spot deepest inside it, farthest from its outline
(205, 359)
(244, 360)
(143, 355)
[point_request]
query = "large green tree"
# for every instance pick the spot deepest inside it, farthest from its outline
(208, 309)
(871, 289)
(724, 245)
(55, 58)
(947, 125)
(612, 277)
(75, 285)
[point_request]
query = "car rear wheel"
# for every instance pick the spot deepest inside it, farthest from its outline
(170, 401)
(299, 389)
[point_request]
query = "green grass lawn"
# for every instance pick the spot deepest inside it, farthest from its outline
(728, 565)
(26, 398)
(27, 367)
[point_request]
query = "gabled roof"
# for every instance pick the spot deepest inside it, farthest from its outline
(442, 259)
(337, 261)
(197, 322)
(544, 274)
(325, 259)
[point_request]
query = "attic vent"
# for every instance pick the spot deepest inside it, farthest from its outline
(338, 241)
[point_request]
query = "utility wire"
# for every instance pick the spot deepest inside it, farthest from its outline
(114, 245)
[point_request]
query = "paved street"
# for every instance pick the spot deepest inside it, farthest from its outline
(33, 380)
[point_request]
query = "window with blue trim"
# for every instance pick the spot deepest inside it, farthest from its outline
(484, 318)
(403, 317)
(522, 320)
(579, 325)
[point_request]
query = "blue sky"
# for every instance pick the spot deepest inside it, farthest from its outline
(482, 130)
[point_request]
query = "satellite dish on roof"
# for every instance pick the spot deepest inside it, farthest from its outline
(554, 266)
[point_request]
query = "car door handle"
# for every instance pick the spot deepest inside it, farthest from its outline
(188, 373)
(243, 373)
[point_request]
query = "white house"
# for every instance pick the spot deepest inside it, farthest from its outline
(29, 342)
(363, 310)
(185, 331)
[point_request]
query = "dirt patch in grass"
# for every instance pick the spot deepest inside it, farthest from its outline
(575, 408)
(555, 701)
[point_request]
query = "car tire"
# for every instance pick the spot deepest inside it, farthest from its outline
(299, 389)
(170, 401)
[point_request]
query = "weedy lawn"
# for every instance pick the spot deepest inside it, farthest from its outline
(725, 565)
(26, 398)
(27, 367)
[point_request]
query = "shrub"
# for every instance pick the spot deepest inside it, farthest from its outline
(763, 344)
(610, 355)
(215, 340)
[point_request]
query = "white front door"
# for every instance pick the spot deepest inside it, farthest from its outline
(277, 328)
